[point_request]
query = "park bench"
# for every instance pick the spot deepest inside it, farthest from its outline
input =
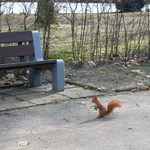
(27, 48)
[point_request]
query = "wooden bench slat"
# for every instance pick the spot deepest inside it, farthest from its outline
(27, 64)
(20, 50)
(10, 37)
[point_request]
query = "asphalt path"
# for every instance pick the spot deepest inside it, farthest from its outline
(73, 125)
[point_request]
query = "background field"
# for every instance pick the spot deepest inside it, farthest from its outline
(88, 36)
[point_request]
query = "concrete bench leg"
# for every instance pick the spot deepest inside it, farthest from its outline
(58, 82)
(35, 77)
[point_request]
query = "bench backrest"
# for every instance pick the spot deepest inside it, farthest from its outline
(21, 44)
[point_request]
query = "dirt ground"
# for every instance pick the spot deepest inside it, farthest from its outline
(109, 77)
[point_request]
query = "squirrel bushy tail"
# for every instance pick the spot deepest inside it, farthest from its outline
(112, 105)
(102, 109)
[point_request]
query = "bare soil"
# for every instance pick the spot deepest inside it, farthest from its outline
(109, 77)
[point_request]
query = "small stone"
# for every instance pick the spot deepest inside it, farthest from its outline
(91, 63)
(23, 143)
(10, 76)
(82, 103)
(24, 78)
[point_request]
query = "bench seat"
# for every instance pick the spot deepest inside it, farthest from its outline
(37, 64)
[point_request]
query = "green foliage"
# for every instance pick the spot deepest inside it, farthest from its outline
(66, 58)
(130, 5)
(45, 17)
(45, 13)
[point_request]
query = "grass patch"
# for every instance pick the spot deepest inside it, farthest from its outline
(65, 57)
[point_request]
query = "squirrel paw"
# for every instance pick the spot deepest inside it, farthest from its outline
(95, 108)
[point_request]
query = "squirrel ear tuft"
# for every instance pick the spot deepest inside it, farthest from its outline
(94, 97)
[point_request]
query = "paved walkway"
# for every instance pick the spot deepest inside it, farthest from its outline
(14, 98)
(47, 123)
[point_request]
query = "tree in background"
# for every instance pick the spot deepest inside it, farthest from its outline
(129, 5)
(45, 17)
(26, 9)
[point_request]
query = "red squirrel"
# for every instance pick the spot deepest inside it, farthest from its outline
(103, 111)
